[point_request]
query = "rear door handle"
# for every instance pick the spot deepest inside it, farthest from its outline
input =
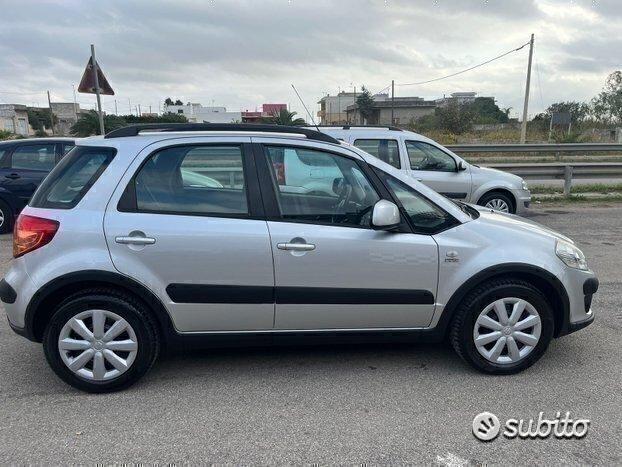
(296, 246)
(13, 176)
(135, 240)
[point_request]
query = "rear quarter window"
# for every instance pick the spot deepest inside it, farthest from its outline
(72, 178)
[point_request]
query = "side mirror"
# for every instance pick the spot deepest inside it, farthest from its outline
(386, 215)
(461, 166)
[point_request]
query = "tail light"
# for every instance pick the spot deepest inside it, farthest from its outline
(31, 233)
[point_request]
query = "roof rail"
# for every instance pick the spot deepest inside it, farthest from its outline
(134, 130)
(389, 127)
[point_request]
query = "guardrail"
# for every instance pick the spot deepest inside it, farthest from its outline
(536, 147)
(551, 171)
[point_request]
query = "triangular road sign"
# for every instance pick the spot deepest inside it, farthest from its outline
(87, 83)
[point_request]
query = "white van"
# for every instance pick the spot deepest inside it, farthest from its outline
(438, 167)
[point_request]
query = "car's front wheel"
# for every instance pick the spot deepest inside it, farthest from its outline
(497, 201)
(101, 341)
(502, 327)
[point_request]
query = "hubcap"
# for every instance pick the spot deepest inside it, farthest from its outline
(498, 205)
(98, 345)
(1, 218)
(507, 330)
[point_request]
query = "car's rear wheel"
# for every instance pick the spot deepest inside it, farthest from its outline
(498, 201)
(502, 327)
(101, 341)
(6, 218)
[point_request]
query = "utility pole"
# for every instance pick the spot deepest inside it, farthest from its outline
(392, 101)
(99, 100)
(139, 112)
(75, 104)
(51, 113)
(129, 103)
(523, 130)
(116, 111)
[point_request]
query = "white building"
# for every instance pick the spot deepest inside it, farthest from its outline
(14, 119)
(196, 113)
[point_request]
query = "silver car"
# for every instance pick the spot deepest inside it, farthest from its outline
(116, 257)
(439, 168)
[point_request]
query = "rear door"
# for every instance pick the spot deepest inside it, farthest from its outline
(25, 167)
(187, 221)
(332, 269)
(438, 170)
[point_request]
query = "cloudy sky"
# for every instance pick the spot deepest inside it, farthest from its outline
(243, 53)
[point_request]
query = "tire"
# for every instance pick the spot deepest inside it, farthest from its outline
(6, 218)
(115, 307)
(466, 325)
(501, 199)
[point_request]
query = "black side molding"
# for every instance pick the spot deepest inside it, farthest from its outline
(7, 293)
(208, 293)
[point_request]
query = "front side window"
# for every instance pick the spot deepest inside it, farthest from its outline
(193, 180)
(316, 186)
(70, 180)
(425, 156)
(34, 157)
(384, 149)
(426, 217)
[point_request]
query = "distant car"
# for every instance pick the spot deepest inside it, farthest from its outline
(438, 167)
(24, 163)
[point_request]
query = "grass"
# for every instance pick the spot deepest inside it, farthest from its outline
(591, 188)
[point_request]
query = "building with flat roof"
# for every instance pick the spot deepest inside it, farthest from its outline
(14, 119)
(196, 113)
(267, 110)
(403, 109)
(333, 109)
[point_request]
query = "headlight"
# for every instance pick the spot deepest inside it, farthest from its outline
(570, 255)
(525, 186)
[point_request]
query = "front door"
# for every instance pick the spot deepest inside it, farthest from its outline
(189, 226)
(332, 269)
(438, 170)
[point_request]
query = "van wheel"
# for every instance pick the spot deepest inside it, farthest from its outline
(498, 201)
(502, 327)
(6, 218)
(101, 341)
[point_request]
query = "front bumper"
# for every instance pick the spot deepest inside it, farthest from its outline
(523, 200)
(581, 288)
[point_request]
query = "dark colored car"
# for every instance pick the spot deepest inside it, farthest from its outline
(24, 164)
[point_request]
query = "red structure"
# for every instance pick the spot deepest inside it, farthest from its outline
(267, 110)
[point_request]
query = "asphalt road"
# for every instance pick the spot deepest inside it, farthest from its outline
(353, 404)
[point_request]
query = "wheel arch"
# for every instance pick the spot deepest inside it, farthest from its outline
(546, 282)
(44, 302)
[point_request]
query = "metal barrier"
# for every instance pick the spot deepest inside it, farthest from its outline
(536, 147)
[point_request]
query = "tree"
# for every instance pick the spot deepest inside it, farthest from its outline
(39, 120)
(485, 110)
(365, 104)
(88, 124)
(284, 117)
(455, 118)
(607, 106)
(179, 102)
(168, 101)
(578, 111)
(167, 117)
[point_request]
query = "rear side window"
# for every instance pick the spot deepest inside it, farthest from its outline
(193, 180)
(384, 149)
(34, 157)
(72, 178)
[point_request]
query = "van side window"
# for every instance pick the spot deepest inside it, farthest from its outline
(384, 149)
(425, 156)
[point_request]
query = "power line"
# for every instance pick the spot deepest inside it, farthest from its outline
(468, 69)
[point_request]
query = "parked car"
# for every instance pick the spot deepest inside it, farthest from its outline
(23, 165)
(115, 257)
(438, 167)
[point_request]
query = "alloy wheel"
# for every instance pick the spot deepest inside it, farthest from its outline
(97, 345)
(498, 205)
(507, 330)
(1, 217)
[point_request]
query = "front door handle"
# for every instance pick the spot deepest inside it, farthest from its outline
(13, 176)
(135, 240)
(296, 246)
